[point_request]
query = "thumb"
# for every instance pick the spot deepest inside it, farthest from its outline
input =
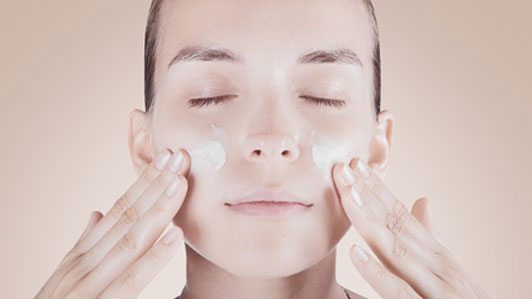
(93, 220)
(421, 211)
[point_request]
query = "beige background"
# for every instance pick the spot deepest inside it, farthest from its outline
(456, 75)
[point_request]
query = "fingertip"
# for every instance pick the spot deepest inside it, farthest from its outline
(98, 215)
(93, 219)
(172, 236)
(353, 163)
(183, 182)
(187, 161)
(358, 253)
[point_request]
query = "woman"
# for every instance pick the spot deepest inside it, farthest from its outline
(263, 142)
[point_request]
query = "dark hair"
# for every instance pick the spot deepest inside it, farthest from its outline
(151, 39)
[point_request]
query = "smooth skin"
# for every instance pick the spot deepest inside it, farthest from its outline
(117, 255)
(415, 263)
(269, 110)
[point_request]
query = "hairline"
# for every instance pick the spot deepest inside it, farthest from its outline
(151, 45)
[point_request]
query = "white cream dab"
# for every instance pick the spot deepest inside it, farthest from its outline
(326, 153)
(211, 153)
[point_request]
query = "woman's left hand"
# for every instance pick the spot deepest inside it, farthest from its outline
(415, 263)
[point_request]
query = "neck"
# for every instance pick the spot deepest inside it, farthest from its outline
(206, 280)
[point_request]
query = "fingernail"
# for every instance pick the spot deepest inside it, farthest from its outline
(356, 197)
(360, 254)
(161, 159)
(176, 162)
(362, 168)
(347, 175)
(172, 188)
(171, 236)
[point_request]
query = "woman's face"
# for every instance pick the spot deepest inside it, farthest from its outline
(268, 133)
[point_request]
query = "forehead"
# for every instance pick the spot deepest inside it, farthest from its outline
(265, 31)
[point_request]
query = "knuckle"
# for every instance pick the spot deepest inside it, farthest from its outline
(397, 219)
(160, 208)
(393, 223)
(163, 180)
(72, 258)
(444, 267)
(365, 191)
(399, 250)
(128, 243)
(130, 216)
(399, 209)
(156, 256)
(451, 279)
(121, 205)
(443, 254)
(81, 265)
(372, 218)
(73, 254)
(150, 174)
(130, 279)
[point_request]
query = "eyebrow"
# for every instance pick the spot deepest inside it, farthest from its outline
(202, 53)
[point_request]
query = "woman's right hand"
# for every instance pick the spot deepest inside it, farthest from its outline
(115, 257)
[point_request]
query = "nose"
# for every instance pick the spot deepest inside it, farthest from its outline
(271, 149)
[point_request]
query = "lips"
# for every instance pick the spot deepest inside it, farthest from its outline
(270, 196)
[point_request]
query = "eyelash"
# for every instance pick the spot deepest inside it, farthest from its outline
(200, 102)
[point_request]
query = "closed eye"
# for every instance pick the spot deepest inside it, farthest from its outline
(200, 102)
(326, 102)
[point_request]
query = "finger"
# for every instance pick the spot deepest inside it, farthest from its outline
(131, 282)
(93, 256)
(51, 284)
(381, 280)
(136, 241)
(66, 263)
(421, 211)
(389, 232)
(94, 218)
(433, 228)
(135, 212)
(146, 179)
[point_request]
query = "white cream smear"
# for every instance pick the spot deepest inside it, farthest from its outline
(325, 153)
(210, 154)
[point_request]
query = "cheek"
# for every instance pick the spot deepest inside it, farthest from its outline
(210, 155)
(325, 153)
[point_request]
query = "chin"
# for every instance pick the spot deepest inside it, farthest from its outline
(250, 247)
(272, 256)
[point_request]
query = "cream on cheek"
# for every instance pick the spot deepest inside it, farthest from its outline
(326, 152)
(211, 154)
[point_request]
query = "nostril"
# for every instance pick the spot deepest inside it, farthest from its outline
(256, 153)
(286, 153)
